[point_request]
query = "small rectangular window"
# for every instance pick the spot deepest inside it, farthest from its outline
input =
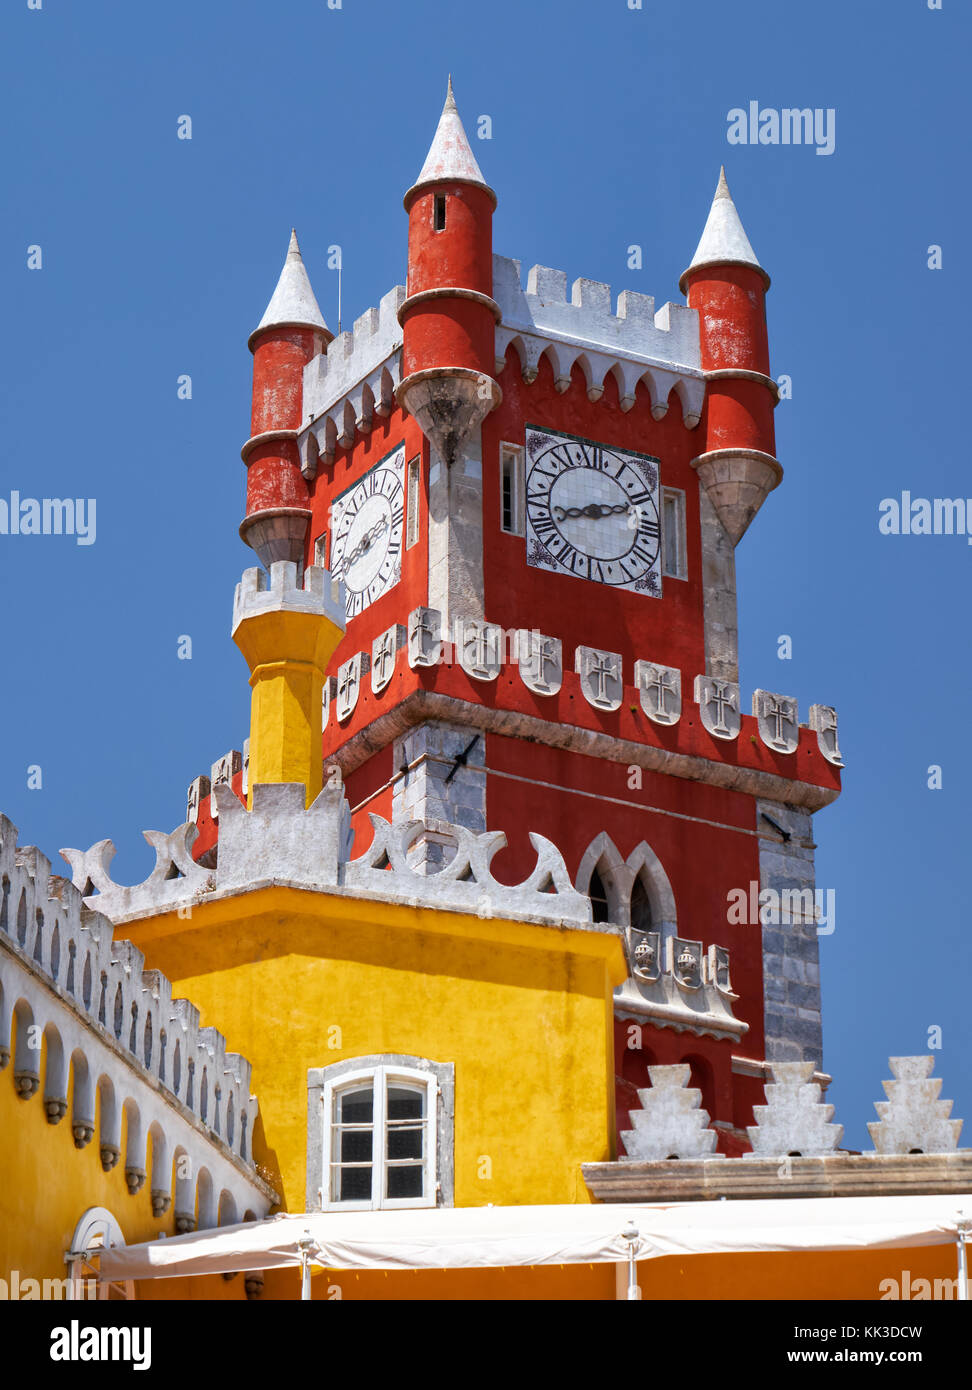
(674, 564)
(412, 489)
(320, 551)
(380, 1141)
(439, 213)
(511, 489)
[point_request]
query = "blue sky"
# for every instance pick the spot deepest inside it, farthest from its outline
(608, 129)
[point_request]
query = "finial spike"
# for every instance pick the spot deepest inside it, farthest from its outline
(450, 158)
(293, 301)
(724, 240)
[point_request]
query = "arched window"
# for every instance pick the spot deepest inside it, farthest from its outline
(96, 1231)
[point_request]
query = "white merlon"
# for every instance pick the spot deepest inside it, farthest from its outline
(450, 158)
(795, 1120)
(63, 972)
(634, 343)
(671, 1122)
(724, 240)
(293, 303)
(350, 383)
(913, 1119)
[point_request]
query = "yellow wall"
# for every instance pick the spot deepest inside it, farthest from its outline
(299, 980)
(46, 1185)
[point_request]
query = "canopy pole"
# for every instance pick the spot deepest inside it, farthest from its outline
(964, 1230)
(630, 1234)
(304, 1245)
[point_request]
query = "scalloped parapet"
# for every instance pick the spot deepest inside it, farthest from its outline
(795, 1119)
(318, 594)
(913, 1119)
(45, 920)
(466, 883)
(280, 841)
(671, 1122)
(634, 343)
(350, 383)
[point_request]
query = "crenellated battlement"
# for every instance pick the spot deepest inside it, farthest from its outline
(350, 383)
(286, 591)
(634, 343)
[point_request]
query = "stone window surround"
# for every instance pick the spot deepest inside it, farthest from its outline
(320, 1084)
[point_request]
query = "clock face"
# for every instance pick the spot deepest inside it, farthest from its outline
(592, 511)
(366, 533)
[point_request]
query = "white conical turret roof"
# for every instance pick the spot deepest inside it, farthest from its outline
(294, 303)
(450, 158)
(724, 240)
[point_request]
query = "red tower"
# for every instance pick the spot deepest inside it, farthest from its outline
(291, 332)
(533, 496)
(450, 316)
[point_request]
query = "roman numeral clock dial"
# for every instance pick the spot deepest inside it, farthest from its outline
(366, 533)
(592, 512)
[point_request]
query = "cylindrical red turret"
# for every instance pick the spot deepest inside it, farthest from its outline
(449, 317)
(727, 286)
(291, 332)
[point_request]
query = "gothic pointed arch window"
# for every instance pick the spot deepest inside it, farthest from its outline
(633, 892)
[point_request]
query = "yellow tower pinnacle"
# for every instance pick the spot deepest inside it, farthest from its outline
(287, 635)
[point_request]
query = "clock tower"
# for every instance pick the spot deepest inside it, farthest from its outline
(532, 493)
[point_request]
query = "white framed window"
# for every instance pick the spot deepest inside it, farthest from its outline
(383, 1134)
(413, 492)
(674, 563)
(511, 489)
(320, 551)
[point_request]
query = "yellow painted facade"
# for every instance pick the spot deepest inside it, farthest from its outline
(300, 980)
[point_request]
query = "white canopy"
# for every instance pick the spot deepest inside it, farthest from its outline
(477, 1237)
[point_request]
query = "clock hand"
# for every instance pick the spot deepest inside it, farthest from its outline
(593, 509)
(366, 541)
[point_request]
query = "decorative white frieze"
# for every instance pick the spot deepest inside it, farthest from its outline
(913, 1119)
(198, 789)
(823, 721)
(660, 688)
(424, 637)
(480, 648)
(328, 695)
(795, 1120)
(601, 680)
(778, 719)
(676, 983)
(384, 650)
(541, 661)
(349, 677)
(671, 1122)
(718, 703)
(223, 771)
